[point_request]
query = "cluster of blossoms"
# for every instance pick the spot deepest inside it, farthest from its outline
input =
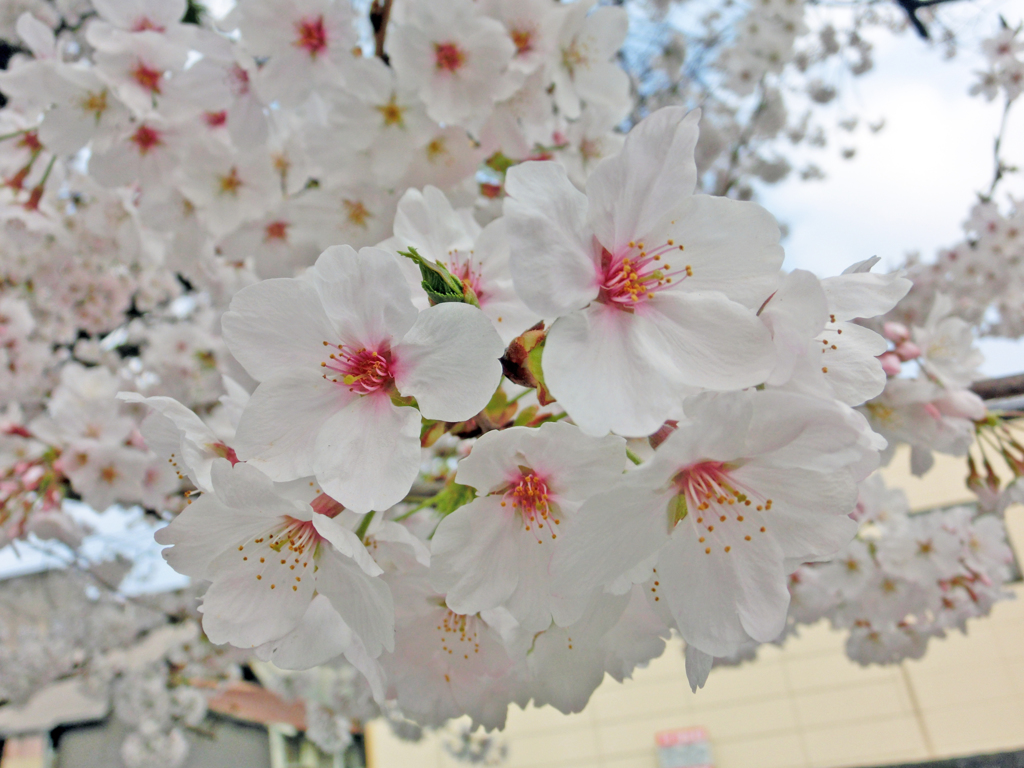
(906, 578)
(447, 391)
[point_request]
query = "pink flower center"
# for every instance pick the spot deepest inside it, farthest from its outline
(523, 39)
(145, 138)
(716, 499)
(145, 24)
(363, 371)
(311, 35)
(448, 57)
(147, 77)
(528, 495)
(282, 555)
(464, 271)
(276, 230)
(215, 119)
(636, 274)
(238, 81)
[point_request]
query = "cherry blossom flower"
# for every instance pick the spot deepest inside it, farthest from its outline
(496, 550)
(335, 354)
(479, 258)
(453, 57)
(256, 547)
(749, 486)
(647, 280)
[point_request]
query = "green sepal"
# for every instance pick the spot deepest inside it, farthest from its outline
(441, 285)
(677, 510)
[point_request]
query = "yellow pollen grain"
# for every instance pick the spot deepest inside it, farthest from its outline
(273, 586)
(707, 551)
(762, 529)
(240, 548)
(740, 517)
(295, 589)
(728, 548)
(747, 538)
(258, 577)
(722, 518)
(262, 560)
(711, 528)
(701, 539)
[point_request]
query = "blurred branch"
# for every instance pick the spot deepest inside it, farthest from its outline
(912, 7)
(1004, 386)
(380, 12)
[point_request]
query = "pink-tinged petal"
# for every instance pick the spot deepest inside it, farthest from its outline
(612, 533)
(474, 555)
(552, 257)
(367, 455)
(346, 543)
(364, 602)
(251, 602)
(278, 429)
(721, 598)
(277, 327)
(729, 246)
(487, 468)
(365, 294)
(630, 193)
(714, 343)
(449, 361)
(575, 466)
(321, 636)
(600, 367)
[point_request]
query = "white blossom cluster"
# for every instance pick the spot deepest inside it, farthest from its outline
(451, 394)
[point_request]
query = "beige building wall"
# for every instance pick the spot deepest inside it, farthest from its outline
(804, 706)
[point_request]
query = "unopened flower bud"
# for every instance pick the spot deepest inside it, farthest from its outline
(890, 363)
(907, 351)
(896, 332)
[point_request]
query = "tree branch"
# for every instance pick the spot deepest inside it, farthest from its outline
(380, 12)
(1004, 386)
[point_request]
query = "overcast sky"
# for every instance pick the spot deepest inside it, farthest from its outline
(910, 186)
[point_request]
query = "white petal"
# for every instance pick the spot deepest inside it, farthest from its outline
(367, 455)
(364, 602)
(474, 556)
(449, 361)
(715, 343)
(597, 365)
(611, 534)
(346, 543)
(719, 599)
(864, 294)
(365, 294)
(698, 667)
(245, 611)
(552, 259)
(278, 429)
(397, 533)
(321, 636)
(630, 193)
(731, 246)
(276, 327)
